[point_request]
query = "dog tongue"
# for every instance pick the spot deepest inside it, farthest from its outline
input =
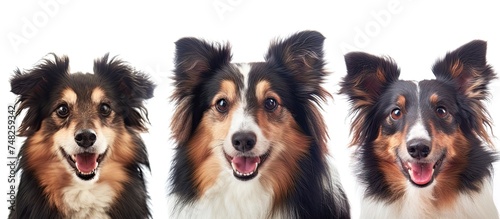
(86, 162)
(245, 164)
(421, 173)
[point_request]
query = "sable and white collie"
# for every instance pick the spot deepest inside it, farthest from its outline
(83, 156)
(251, 139)
(423, 147)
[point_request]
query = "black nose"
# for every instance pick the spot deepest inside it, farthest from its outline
(85, 137)
(244, 141)
(419, 148)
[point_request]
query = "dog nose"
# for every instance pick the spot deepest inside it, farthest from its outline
(244, 141)
(419, 148)
(85, 138)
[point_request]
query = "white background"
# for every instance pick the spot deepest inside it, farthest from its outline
(414, 33)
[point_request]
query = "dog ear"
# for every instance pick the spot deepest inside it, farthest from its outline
(302, 55)
(300, 59)
(367, 77)
(195, 61)
(132, 87)
(33, 87)
(466, 69)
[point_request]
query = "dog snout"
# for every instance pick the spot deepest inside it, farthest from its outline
(244, 141)
(419, 148)
(85, 137)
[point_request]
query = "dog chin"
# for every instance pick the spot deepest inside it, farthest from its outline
(84, 164)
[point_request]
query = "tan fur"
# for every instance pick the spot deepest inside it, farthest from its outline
(69, 96)
(289, 144)
(385, 150)
(42, 157)
(456, 68)
(381, 75)
(120, 154)
(433, 99)
(210, 133)
(97, 95)
(45, 159)
(456, 161)
(401, 101)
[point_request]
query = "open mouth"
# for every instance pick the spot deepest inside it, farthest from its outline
(246, 167)
(422, 173)
(85, 164)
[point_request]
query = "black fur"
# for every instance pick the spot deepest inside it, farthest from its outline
(39, 87)
(294, 67)
(461, 81)
(196, 62)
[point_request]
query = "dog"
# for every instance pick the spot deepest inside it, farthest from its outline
(423, 149)
(250, 139)
(83, 156)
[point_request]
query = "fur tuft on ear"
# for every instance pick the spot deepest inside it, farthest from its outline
(301, 52)
(33, 87)
(466, 69)
(133, 86)
(195, 61)
(367, 77)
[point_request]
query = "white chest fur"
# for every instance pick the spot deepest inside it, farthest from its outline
(229, 198)
(85, 199)
(417, 203)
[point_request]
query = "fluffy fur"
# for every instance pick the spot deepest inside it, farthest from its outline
(83, 156)
(423, 148)
(251, 139)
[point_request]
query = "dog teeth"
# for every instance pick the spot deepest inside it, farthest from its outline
(234, 167)
(408, 166)
(244, 174)
(90, 173)
(86, 174)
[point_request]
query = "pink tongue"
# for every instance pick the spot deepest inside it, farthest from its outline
(245, 164)
(421, 173)
(86, 162)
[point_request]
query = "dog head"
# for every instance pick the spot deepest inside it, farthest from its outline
(80, 119)
(426, 130)
(247, 119)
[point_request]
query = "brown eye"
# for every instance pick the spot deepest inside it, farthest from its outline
(441, 112)
(222, 106)
(104, 110)
(62, 111)
(270, 104)
(396, 114)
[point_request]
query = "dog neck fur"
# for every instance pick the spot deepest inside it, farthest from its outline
(87, 199)
(419, 203)
(230, 198)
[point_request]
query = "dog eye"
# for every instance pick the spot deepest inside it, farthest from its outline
(222, 105)
(104, 109)
(396, 114)
(441, 112)
(270, 104)
(62, 111)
